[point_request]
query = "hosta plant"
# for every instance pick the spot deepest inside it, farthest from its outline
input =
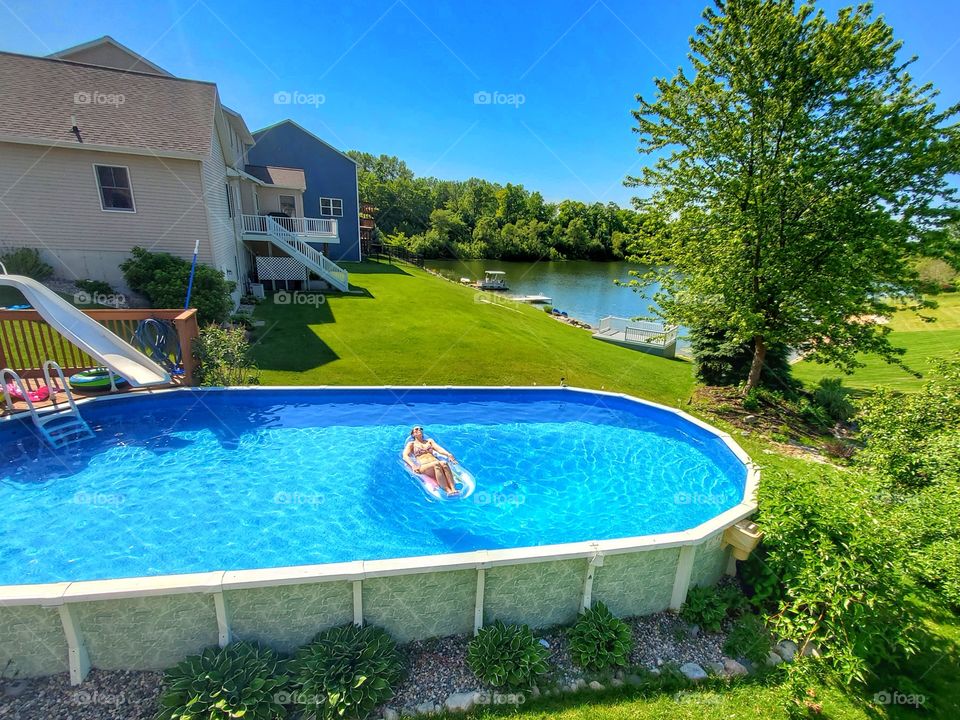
(507, 656)
(704, 607)
(346, 672)
(242, 680)
(598, 640)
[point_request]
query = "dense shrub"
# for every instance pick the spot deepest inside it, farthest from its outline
(346, 672)
(225, 358)
(94, 287)
(507, 656)
(163, 278)
(720, 359)
(748, 638)
(240, 680)
(833, 397)
(26, 261)
(830, 545)
(912, 440)
(599, 641)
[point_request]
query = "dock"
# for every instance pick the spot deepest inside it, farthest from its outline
(536, 299)
(649, 337)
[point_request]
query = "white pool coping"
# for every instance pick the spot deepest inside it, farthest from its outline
(218, 581)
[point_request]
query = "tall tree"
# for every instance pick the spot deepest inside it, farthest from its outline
(798, 160)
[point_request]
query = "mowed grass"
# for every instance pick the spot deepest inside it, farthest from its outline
(926, 336)
(412, 328)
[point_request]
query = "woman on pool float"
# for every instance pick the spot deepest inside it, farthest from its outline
(419, 455)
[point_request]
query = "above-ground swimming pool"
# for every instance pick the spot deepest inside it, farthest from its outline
(202, 480)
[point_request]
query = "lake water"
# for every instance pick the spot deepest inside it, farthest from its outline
(583, 289)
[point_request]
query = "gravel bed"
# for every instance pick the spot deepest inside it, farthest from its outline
(664, 638)
(104, 695)
(435, 669)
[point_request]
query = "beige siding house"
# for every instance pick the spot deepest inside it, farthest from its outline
(102, 151)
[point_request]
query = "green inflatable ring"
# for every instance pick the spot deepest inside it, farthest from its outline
(95, 379)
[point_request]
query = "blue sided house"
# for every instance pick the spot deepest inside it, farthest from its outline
(331, 181)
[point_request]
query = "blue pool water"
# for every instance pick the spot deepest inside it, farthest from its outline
(194, 481)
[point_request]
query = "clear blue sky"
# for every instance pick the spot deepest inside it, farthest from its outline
(399, 76)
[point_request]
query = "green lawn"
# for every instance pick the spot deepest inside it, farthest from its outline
(411, 328)
(926, 336)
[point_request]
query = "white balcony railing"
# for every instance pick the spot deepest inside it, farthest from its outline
(308, 227)
(639, 331)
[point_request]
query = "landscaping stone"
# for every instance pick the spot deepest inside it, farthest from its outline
(594, 685)
(715, 667)
(390, 714)
(534, 692)
(810, 650)
(773, 659)
(694, 631)
(545, 643)
(693, 671)
(634, 680)
(460, 702)
(425, 708)
(732, 668)
(787, 649)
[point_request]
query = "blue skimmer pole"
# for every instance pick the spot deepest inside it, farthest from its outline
(193, 270)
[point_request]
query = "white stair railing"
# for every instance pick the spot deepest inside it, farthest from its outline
(316, 261)
(58, 428)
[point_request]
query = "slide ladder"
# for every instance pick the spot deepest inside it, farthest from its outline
(58, 428)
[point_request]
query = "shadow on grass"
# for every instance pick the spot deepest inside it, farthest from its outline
(374, 267)
(286, 341)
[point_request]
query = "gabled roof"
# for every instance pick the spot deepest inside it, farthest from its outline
(281, 177)
(113, 109)
(134, 61)
(288, 121)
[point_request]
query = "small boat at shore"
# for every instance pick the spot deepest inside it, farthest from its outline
(493, 280)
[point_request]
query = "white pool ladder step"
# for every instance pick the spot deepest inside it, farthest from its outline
(61, 427)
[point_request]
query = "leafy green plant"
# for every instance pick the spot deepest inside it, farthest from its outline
(704, 607)
(95, 287)
(748, 638)
(833, 398)
(599, 641)
(225, 358)
(762, 583)
(163, 278)
(26, 261)
(240, 680)
(507, 656)
(346, 671)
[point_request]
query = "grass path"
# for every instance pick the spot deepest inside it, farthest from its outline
(926, 336)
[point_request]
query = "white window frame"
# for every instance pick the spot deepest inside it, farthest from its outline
(96, 179)
(332, 213)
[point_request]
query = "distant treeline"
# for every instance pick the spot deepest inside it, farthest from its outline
(480, 219)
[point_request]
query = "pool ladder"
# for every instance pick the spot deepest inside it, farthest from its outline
(60, 427)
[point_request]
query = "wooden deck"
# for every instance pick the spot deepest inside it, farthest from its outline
(649, 337)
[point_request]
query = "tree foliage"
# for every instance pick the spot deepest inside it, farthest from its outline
(480, 219)
(797, 162)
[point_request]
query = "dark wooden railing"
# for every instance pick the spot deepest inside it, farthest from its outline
(390, 253)
(27, 341)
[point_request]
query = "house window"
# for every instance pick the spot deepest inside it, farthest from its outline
(331, 206)
(288, 205)
(116, 193)
(230, 210)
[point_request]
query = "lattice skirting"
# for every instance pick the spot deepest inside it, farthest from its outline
(280, 268)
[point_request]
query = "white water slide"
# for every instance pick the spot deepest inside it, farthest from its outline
(87, 334)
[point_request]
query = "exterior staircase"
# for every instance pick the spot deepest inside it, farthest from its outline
(296, 247)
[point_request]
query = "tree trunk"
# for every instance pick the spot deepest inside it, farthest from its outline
(756, 367)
